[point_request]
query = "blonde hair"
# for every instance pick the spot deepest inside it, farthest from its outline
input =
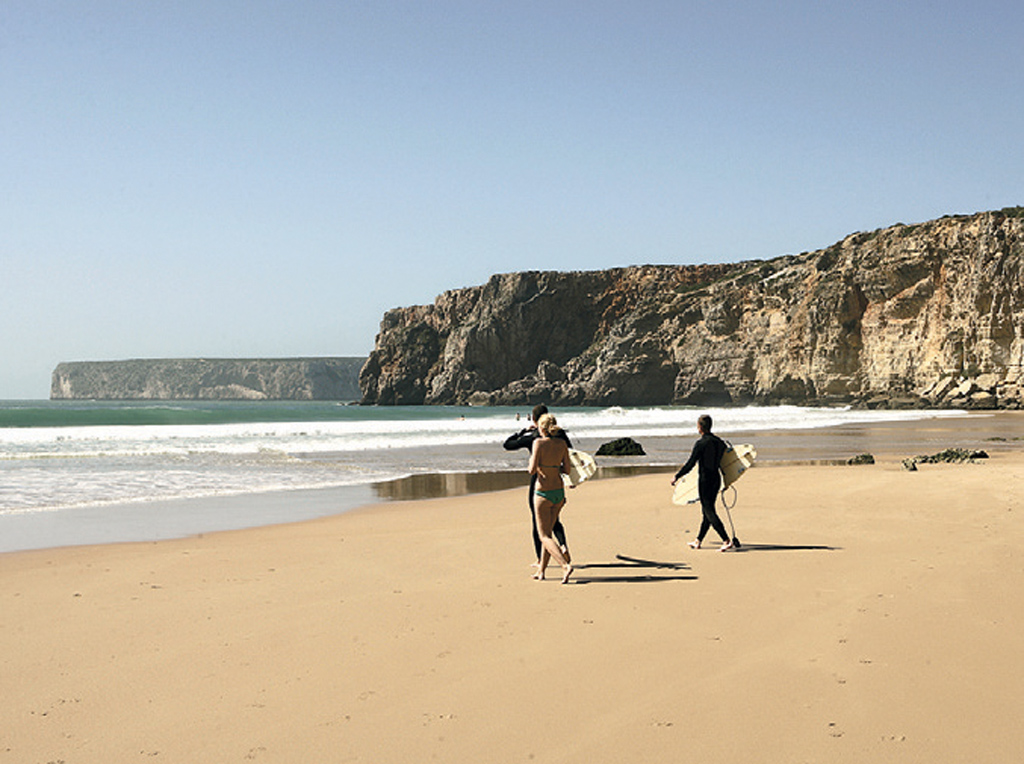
(548, 425)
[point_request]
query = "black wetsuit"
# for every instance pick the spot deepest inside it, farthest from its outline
(707, 457)
(524, 439)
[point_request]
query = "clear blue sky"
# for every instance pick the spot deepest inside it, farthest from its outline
(265, 179)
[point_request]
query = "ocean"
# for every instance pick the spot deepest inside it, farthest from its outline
(86, 471)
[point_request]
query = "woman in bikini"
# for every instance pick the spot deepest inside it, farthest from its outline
(548, 460)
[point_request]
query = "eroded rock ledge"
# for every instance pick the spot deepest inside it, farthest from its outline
(922, 315)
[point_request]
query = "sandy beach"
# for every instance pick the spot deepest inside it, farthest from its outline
(872, 615)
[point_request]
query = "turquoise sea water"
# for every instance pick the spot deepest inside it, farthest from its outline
(64, 413)
(67, 460)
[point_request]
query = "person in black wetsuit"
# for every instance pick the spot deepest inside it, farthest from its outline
(524, 439)
(707, 457)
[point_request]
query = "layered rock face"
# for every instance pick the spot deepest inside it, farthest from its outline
(929, 314)
(209, 379)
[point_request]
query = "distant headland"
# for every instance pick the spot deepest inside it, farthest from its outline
(319, 379)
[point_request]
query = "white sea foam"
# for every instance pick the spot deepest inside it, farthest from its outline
(372, 435)
(46, 468)
(74, 483)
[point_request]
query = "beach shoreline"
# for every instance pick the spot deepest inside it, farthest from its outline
(177, 518)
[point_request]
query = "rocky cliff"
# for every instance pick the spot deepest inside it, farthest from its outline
(209, 379)
(927, 314)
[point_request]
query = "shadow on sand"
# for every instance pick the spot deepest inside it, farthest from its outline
(745, 547)
(635, 576)
(647, 571)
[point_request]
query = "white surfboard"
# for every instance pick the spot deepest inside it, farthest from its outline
(735, 461)
(581, 467)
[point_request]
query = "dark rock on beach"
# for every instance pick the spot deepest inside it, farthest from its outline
(952, 456)
(621, 447)
(861, 459)
(947, 456)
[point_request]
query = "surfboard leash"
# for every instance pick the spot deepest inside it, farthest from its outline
(725, 504)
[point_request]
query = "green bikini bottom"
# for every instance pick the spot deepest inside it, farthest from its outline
(555, 495)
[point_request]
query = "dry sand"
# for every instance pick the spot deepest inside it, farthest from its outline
(872, 615)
